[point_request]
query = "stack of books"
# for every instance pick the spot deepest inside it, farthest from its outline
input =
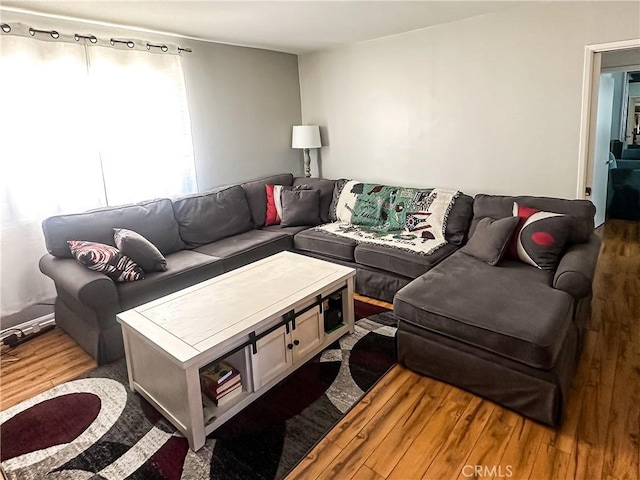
(221, 382)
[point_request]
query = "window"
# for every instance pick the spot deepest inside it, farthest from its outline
(82, 126)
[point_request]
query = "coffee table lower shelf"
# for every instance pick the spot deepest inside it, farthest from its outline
(215, 416)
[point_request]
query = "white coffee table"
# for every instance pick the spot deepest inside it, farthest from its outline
(265, 318)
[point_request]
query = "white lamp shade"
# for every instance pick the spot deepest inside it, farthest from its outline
(306, 136)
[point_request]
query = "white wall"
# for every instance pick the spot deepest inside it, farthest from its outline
(489, 104)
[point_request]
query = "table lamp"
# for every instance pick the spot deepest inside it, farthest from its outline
(306, 137)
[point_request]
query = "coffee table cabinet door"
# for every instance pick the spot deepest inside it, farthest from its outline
(307, 336)
(273, 357)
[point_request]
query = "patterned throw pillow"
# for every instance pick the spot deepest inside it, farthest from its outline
(106, 259)
(540, 237)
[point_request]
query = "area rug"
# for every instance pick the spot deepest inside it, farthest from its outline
(94, 427)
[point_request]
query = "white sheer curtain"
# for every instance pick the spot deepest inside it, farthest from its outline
(70, 114)
(143, 124)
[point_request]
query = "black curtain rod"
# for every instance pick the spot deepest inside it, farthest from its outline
(6, 28)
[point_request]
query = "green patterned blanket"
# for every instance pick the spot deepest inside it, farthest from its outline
(407, 218)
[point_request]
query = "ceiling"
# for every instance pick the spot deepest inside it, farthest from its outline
(286, 26)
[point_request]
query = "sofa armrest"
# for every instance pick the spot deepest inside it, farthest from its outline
(90, 288)
(577, 266)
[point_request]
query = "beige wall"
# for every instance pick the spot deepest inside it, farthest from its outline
(489, 104)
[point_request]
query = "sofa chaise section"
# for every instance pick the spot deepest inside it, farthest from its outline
(512, 332)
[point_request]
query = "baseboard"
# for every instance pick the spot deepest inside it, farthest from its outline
(31, 326)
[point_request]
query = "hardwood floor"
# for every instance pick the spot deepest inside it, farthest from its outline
(39, 364)
(412, 427)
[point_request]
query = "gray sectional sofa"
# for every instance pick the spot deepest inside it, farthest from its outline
(510, 332)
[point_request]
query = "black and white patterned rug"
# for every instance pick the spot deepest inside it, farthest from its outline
(95, 428)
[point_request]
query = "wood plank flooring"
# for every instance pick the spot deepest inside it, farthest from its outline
(412, 427)
(39, 364)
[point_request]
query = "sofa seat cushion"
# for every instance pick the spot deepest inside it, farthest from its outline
(324, 243)
(184, 268)
(402, 262)
(247, 247)
(291, 231)
(510, 309)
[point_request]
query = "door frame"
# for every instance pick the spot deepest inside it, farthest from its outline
(590, 84)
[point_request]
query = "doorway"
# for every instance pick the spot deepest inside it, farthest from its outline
(600, 124)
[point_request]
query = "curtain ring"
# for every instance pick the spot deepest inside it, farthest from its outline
(91, 38)
(6, 28)
(164, 48)
(55, 35)
(128, 43)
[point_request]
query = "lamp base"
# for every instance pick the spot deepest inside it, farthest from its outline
(307, 163)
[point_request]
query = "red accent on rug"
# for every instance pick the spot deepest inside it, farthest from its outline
(168, 462)
(52, 422)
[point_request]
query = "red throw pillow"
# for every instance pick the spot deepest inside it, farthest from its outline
(540, 237)
(274, 205)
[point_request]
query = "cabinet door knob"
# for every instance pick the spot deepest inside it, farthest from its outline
(296, 342)
(290, 346)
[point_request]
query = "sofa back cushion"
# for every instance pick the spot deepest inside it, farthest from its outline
(257, 196)
(326, 193)
(211, 216)
(498, 206)
(152, 219)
